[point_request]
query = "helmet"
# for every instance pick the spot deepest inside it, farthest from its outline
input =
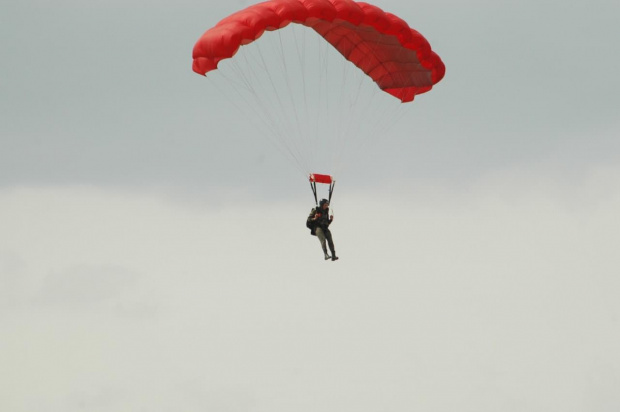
(323, 201)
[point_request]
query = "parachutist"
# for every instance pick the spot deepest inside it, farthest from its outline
(318, 222)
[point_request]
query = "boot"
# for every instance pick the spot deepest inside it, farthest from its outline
(334, 257)
(327, 257)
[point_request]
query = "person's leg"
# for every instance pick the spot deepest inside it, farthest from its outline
(321, 235)
(330, 242)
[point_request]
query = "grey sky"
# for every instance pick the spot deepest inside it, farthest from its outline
(100, 93)
(152, 253)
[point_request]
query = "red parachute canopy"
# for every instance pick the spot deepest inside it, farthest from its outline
(381, 44)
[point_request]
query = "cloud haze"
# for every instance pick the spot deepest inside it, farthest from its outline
(504, 299)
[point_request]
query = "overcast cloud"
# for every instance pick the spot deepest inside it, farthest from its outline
(153, 255)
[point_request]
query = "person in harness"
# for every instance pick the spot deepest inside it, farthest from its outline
(318, 222)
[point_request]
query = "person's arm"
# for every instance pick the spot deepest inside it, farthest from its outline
(313, 216)
(329, 221)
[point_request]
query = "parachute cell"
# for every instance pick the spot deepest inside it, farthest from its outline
(397, 58)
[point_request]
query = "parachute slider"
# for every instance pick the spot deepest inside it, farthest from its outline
(317, 178)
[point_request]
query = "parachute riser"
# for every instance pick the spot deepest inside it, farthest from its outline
(313, 187)
(331, 191)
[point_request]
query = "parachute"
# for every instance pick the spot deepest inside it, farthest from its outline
(395, 57)
(381, 44)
